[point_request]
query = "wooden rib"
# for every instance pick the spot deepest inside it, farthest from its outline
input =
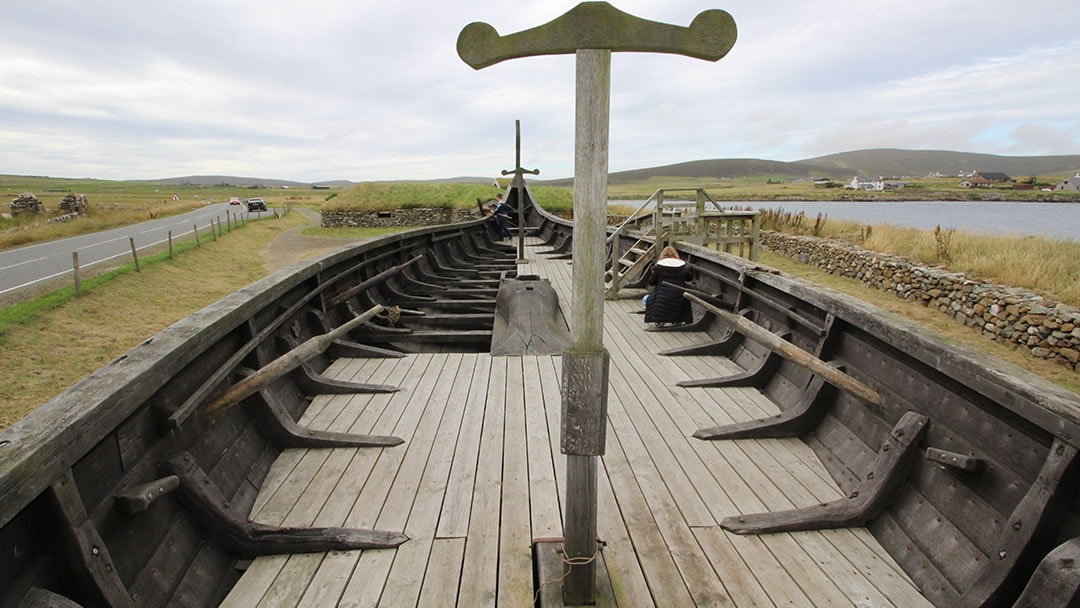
(800, 418)
(876, 493)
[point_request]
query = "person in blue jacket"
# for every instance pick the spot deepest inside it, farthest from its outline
(502, 216)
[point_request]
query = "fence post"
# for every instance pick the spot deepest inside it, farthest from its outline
(228, 222)
(134, 254)
(213, 233)
(75, 263)
(170, 244)
(197, 243)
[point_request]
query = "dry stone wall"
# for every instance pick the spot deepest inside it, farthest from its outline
(396, 217)
(1044, 328)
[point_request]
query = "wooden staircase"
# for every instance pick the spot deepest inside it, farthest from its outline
(629, 266)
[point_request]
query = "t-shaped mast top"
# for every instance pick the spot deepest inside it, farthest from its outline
(599, 25)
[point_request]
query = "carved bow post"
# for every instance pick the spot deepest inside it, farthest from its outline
(518, 183)
(591, 30)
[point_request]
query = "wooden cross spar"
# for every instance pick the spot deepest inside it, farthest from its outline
(591, 30)
(519, 183)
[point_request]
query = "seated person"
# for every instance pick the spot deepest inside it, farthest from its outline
(667, 304)
(502, 215)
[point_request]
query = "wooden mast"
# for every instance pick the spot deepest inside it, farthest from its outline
(591, 30)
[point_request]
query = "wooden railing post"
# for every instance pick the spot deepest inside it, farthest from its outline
(197, 243)
(170, 245)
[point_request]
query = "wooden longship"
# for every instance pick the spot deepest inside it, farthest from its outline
(406, 464)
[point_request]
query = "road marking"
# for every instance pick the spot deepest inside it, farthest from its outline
(21, 263)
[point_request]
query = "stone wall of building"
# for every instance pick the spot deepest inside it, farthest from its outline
(396, 217)
(1044, 328)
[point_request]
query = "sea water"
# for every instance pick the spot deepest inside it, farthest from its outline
(1054, 220)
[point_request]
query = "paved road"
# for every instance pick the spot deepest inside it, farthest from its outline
(27, 266)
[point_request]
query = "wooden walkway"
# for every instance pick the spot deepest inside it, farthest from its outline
(480, 477)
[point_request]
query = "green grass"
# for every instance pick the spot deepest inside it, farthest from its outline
(381, 196)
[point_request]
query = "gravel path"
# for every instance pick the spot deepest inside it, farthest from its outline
(290, 246)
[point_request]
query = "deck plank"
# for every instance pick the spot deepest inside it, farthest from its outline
(515, 536)
(479, 574)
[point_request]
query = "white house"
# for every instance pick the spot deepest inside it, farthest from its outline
(873, 184)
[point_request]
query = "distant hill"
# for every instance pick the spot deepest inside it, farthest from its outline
(867, 163)
(232, 180)
(918, 163)
(723, 168)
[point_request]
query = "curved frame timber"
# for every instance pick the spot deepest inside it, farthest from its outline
(876, 492)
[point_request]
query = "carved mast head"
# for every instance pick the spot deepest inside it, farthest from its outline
(599, 25)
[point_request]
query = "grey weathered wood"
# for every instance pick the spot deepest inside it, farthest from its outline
(375, 280)
(37, 597)
(348, 348)
(877, 491)
(284, 364)
(196, 229)
(598, 25)
(584, 403)
(1056, 582)
(794, 353)
(953, 460)
(138, 499)
(1031, 526)
(755, 376)
(314, 383)
(528, 319)
(87, 552)
(249, 539)
(285, 433)
(799, 419)
(519, 184)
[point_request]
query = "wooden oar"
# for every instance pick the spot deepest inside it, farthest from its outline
(284, 364)
(791, 352)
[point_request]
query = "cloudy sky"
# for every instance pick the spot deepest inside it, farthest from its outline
(368, 90)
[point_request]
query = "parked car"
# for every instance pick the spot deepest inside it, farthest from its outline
(256, 204)
(234, 201)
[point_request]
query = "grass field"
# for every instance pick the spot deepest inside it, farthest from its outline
(758, 189)
(377, 196)
(48, 344)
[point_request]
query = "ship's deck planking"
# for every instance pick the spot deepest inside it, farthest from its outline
(480, 479)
